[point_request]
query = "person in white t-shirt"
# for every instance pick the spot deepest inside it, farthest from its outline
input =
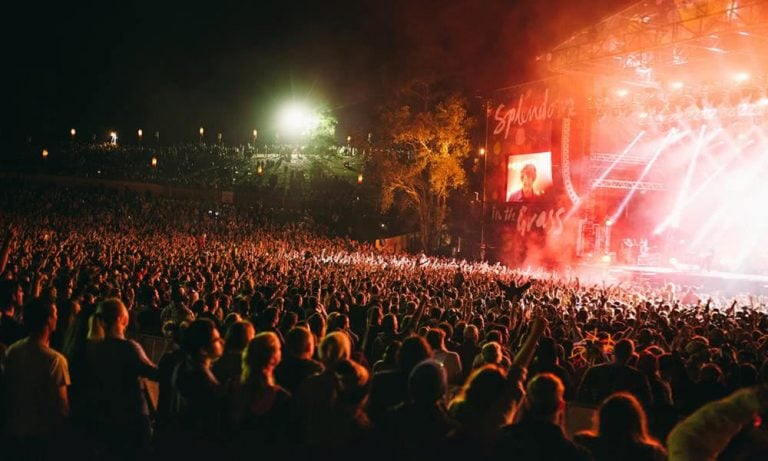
(35, 381)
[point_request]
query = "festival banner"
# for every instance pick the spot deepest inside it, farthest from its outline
(527, 207)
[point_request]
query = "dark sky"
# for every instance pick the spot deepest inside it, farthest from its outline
(174, 66)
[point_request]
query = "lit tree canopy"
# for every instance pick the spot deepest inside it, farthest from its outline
(423, 164)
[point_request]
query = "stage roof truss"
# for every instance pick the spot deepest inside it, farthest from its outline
(627, 185)
(606, 157)
(672, 33)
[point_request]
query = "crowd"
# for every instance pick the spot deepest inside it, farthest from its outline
(284, 342)
(207, 165)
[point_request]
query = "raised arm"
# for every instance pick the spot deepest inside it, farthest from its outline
(5, 251)
(525, 354)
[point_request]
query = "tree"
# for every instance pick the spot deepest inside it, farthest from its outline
(422, 162)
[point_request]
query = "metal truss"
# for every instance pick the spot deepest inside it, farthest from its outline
(606, 157)
(648, 32)
(626, 185)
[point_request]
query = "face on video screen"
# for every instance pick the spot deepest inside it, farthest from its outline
(529, 176)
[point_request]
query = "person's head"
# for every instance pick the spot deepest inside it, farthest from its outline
(316, 323)
(300, 343)
(201, 340)
(471, 334)
(334, 348)
(648, 363)
(427, 382)
(67, 313)
(261, 357)
(623, 351)
(436, 339)
(354, 380)
(546, 353)
(710, 373)
(622, 418)
(414, 350)
(114, 315)
(270, 317)
(40, 317)
(338, 322)
(482, 398)
(491, 353)
(389, 323)
(289, 320)
(544, 397)
(11, 296)
(239, 334)
(528, 177)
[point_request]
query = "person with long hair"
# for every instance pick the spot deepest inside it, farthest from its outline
(257, 407)
(622, 432)
(229, 366)
(119, 410)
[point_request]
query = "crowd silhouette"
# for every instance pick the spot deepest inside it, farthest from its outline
(279, 340)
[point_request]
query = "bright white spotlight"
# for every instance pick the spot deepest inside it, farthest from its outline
(297, 119)
(622, 92)
(741, 77)
(676, 85)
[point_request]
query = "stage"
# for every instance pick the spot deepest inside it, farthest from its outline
(714, 281)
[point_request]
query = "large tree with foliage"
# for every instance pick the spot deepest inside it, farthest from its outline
(427, 139)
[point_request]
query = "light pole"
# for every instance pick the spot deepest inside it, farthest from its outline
(484, 154)
(140, 132)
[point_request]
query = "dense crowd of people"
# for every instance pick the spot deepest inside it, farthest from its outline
(282, 341)
(207, 165)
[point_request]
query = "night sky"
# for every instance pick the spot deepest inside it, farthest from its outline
(174, 66)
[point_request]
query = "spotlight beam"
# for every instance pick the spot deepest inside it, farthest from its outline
(674, 217)
(607, 171)
(667, 142)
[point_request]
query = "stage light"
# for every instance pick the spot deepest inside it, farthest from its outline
(72, 132)
(154, 162)
(609, 222)
(673, 261)
(643, 115)
(360, 178)
(295, 118)
(606, 259)
(676, 85)
(201, 131)
(259, 170)
(113, 138)
(622, 92)
(482, 151)
(45, 153)
(741, 77)
(140, 132)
